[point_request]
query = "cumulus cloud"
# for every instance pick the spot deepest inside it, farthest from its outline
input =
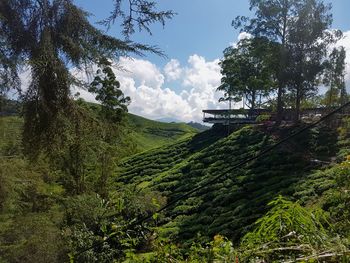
(173, 70)
(153, 97)
(200, 80)
(142, 71)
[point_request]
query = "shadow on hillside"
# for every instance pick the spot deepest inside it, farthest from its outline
(205, 138)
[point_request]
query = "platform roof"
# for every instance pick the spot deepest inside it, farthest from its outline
(234, 111)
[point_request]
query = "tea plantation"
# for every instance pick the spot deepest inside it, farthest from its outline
(230, 206)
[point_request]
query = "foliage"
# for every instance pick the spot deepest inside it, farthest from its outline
(334, 78)
(286, 231)
(247, 71)
(140, 13)
(344, 138)
(272, 20)
(47, 189)
(308, 41)
(113, 107)
(183, 234)
(263, 118)
(108, 92)
(31, 238)
(54, 36)
(220, 249)
(100, 230)
(29, 218)
(300, 30)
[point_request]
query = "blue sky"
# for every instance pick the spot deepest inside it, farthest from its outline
(193, 41)
(200, 26)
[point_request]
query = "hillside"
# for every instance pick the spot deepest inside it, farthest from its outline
(309, 169)
(144, 134)
(230, 206)
(149, 134)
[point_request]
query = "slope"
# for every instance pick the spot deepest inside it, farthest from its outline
(230, 206)
(149, 134)
(143, 133)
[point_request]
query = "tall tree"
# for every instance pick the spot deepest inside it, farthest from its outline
(247, 71)
(309, 38)
(51, 36)
(334, 77)
(272, 19)
(300, 29)
(113, 106)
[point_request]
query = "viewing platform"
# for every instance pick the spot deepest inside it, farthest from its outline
(249, 116)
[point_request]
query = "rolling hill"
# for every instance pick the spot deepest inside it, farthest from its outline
(145, 134)
(148, 134)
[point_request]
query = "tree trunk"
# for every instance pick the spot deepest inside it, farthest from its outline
(253, 100)
(279, 105)
(297, 104)
(282, 65)
(343, 95)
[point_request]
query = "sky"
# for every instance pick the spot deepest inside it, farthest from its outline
(184, 83)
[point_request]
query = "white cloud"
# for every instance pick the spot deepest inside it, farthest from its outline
(241, 36)
(152, 97)
(244, 35)
(200, 80)
(173, 70)
(142, 71)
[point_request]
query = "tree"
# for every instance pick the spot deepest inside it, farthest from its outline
(334, 78)
(108, 93)
(272, 20)
(113, 106)
(50, 37)
(247, 71)
(309, 40)
(299, 27)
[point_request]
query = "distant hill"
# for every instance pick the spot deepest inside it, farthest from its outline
(149, 134)
(169, 120)
(198, 126)
(193, 124)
